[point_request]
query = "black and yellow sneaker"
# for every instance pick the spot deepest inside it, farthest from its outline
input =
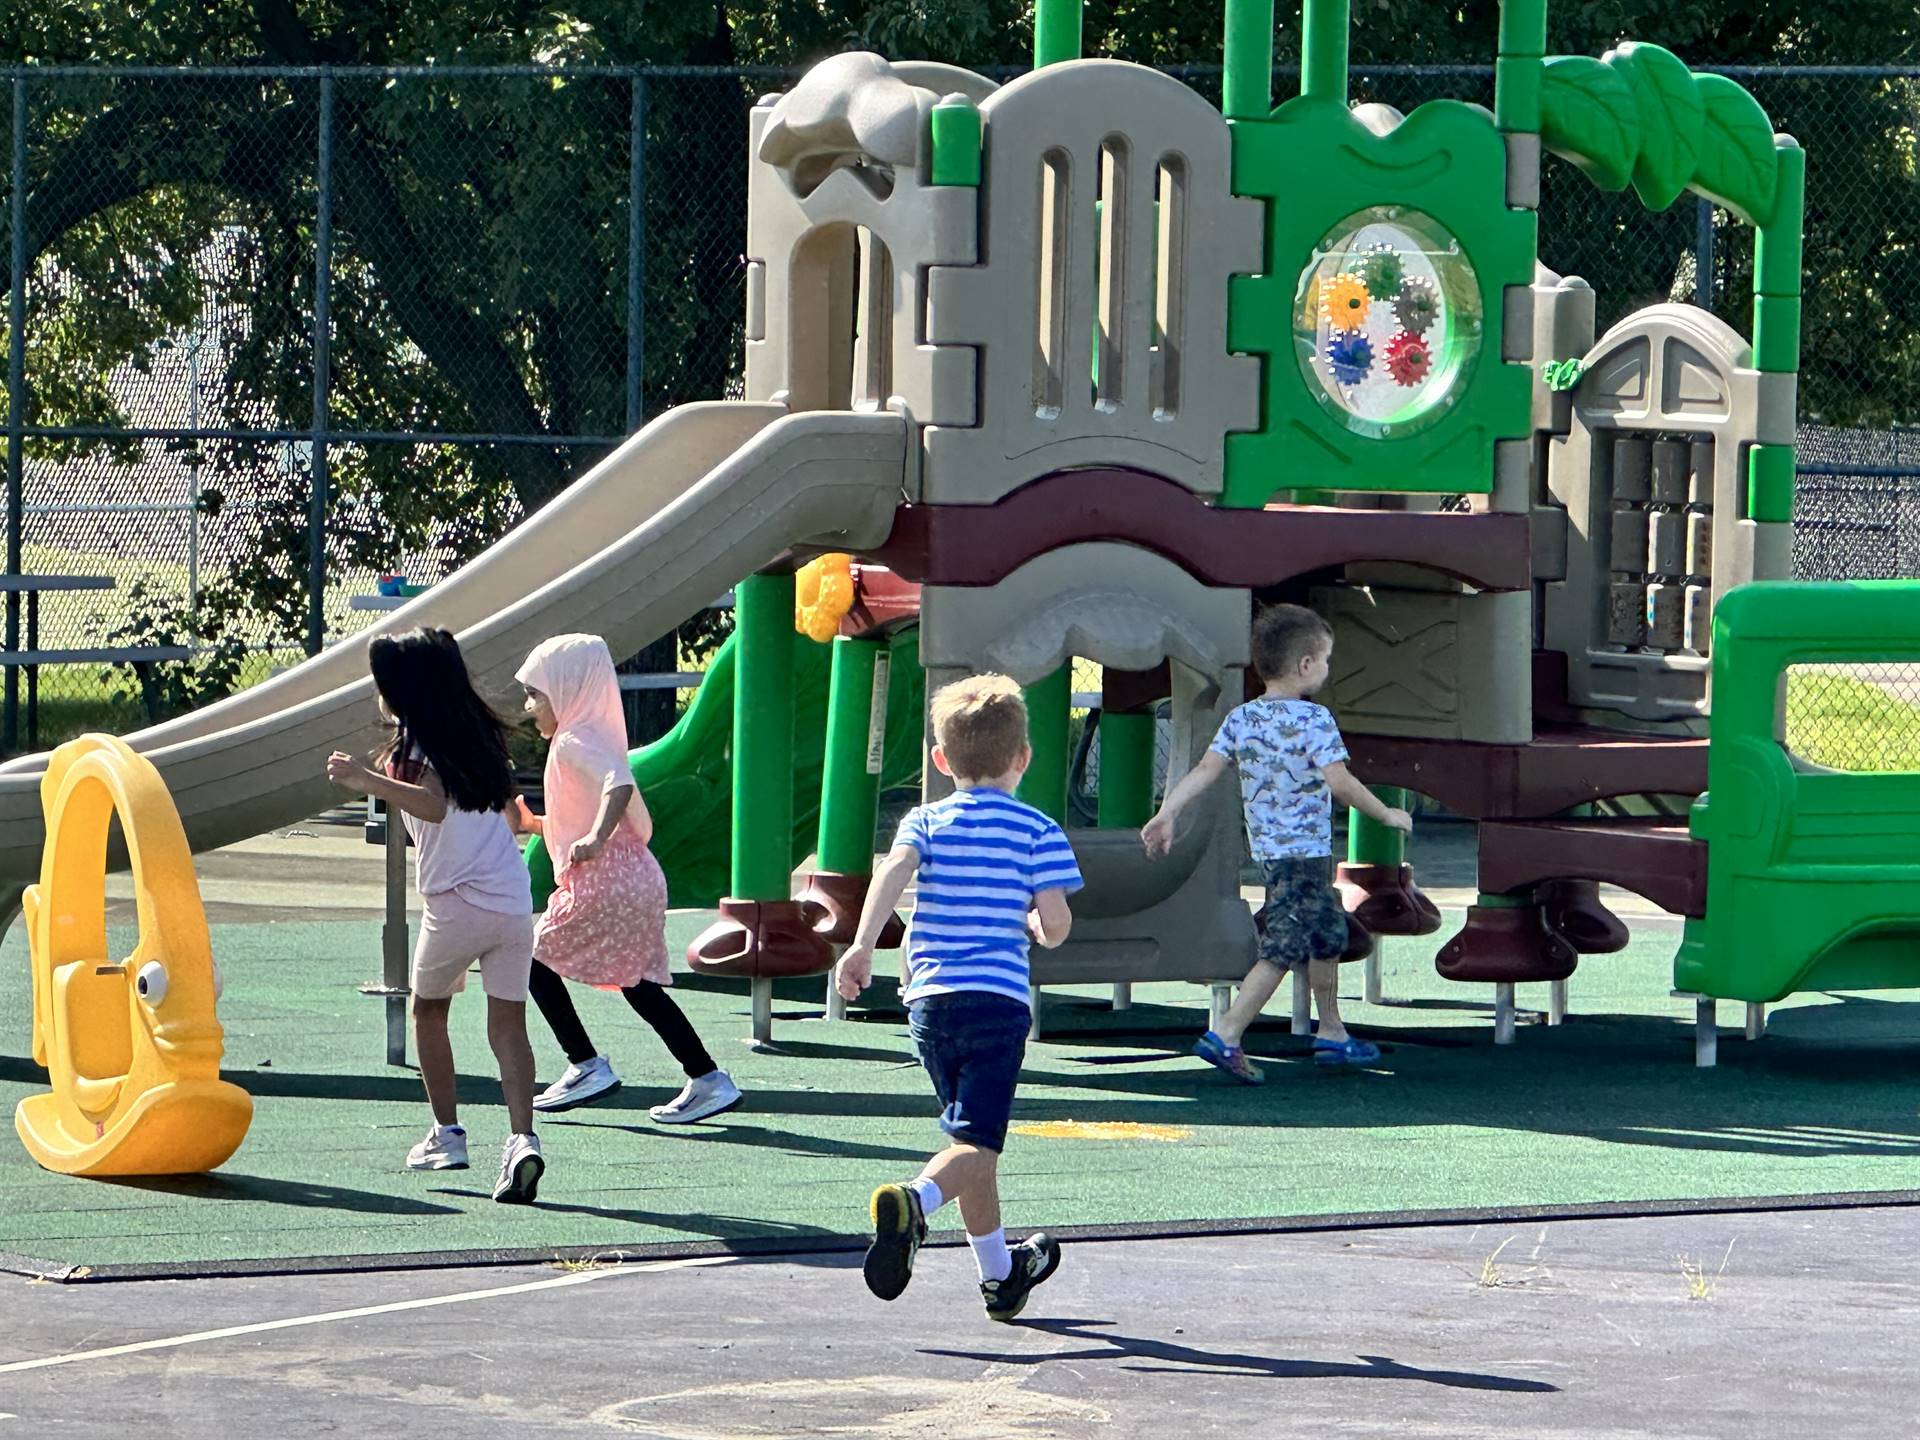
(1034, 1259)
(898, 1229)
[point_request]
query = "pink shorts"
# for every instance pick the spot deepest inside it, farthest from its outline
(456, 934)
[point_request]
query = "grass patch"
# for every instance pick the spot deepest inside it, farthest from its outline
(1845, 723)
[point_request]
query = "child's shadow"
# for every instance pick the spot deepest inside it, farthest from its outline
(1181, 1359)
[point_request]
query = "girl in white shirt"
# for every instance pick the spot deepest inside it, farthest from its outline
(446, 771)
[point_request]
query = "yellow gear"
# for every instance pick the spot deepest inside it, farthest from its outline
(1346, 301)
(822, 596)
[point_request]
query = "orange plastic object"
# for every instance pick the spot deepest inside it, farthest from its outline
(132, 1049)
(823, 594)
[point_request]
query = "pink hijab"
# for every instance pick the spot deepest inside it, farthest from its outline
(588, 756)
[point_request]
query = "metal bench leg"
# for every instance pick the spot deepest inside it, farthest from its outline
(1123, 995)
(1219, 1001)
(1302, 1002)
(761, 989)
(1503, 1013)
(1756, 1021)
(1706, 1033)
(1556, 1002)
(1375, 993)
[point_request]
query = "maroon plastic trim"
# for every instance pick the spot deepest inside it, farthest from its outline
(1660, 861)
(983, 544)
(1566, 765)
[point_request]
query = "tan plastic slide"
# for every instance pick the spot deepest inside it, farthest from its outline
(702, 497)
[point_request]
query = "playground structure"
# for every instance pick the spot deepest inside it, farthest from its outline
(132, 1049)
(1079, 367)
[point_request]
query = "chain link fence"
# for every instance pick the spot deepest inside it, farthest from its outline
(284, 332)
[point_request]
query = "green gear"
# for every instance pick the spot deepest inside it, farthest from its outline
(1382, 267)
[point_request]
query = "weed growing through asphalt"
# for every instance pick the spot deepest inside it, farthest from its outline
(1701, 1285)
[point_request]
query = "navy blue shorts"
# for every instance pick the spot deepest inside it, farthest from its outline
(971, 1043)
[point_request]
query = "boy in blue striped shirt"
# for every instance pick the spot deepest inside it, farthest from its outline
(993, 874)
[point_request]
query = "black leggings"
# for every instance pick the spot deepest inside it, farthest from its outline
(651, 1002)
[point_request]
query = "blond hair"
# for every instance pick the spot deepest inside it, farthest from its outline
(980, 723)
(1283, 636)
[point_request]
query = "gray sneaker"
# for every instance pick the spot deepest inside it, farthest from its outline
(578, 1085)
(521, 1167)
(445, 1148)
(699, 1099)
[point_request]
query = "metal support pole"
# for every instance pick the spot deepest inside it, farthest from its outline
(1123, 995)
(16, 395)
(1556, 1002)
(322, 362)
(762, 990)
(1756, 1020)
(393, 940)
(1370, 972)
(637, 258)
(1503, 1014)
(1219, 1001)
(1302, 1002)
(1703, 253)
(1706, 1033)
(836, 1002)
(1033, 1010)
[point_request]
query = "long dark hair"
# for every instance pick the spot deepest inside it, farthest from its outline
(435, 707)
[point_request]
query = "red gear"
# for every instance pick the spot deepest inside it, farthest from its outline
(1409, 360)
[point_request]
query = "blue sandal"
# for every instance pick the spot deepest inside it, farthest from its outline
(1230, 1058)
(1350, 1051)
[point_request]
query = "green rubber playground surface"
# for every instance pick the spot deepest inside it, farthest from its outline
(1604, 1109)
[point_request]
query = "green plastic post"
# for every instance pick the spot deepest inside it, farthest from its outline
(763, 739)
(1770, 482)
(1517, 82)
(954, 126)
(1371, 843)
(1523, 27)
(1056, 32)
(1777, 244)
(1776, 334)
(1323, 50)
(856, 730)
(1246, 88)
(1126, 769)
(1045, 784)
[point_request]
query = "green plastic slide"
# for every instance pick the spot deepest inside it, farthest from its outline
(686, 775)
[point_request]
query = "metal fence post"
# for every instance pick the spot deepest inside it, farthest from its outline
(637, 257)
(1703, 253)
(16, 395)
(322, 360)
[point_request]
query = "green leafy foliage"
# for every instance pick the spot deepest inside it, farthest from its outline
(1736, 166)
(1589, 115)
(1670, 119)
(156, 616)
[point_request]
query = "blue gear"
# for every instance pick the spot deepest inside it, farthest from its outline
(1350, 357)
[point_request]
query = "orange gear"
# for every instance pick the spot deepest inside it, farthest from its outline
(1345, 300)
(822, 596)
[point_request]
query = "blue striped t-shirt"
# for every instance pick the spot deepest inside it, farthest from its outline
(983, 857)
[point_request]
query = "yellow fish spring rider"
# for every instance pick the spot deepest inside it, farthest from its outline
(132, 1048)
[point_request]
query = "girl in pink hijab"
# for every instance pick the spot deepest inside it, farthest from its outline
(605, 924)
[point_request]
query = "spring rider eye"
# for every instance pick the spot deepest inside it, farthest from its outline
(132, 1048)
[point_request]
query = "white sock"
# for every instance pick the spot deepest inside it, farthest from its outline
(929, 1196)
(990, 1254)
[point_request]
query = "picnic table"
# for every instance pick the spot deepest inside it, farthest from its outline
(141, 657)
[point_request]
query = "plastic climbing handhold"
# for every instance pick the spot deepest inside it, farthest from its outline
(132, 1048)
(823, 594)
(1350, 357)
(1346, 300)
(1408, 359)
(1417, 306)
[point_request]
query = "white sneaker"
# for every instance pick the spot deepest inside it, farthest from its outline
(709, 1095)
(521, 1167)
(578, 1085)
(445, 1148)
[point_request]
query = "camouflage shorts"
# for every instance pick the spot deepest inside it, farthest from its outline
(1303, 918)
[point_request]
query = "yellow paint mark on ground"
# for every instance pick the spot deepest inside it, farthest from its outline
(1103, 1130)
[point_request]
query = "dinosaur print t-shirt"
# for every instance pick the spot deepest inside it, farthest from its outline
(1282, 749)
